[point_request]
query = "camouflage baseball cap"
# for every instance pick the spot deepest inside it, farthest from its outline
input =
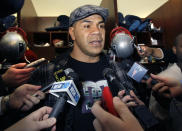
(85, 11)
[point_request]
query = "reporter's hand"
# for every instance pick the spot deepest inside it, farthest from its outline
(130, 100)
(146, 51)
(149, 51)
(36, 121)
(158, 88)
(107, 122)
(173, 86)
(23, 95)
(16, 75)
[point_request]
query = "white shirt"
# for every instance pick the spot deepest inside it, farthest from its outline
(173, 71)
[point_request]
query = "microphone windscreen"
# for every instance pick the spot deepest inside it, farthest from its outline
(110, 76)
(108, 73)
(71, 75)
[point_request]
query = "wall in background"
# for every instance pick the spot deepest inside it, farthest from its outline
(111, 19)
(169, 17)
(32, 23)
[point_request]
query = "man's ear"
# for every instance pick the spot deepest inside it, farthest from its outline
(71, 32)
(174, 49)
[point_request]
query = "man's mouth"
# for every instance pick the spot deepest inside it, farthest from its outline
(96, 42)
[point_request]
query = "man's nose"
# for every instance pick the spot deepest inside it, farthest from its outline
(95, 30)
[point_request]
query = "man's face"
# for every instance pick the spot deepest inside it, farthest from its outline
(88, 35)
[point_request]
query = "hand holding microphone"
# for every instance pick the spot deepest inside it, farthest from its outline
(125, 121)
(66, 91)
(149, 51)
(138, 73)
(174, 86)
(22, 98)
(16, 75)
(141, 111)
(35, 121)
(108, 93)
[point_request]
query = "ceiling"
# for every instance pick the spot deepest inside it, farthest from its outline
(141, 8)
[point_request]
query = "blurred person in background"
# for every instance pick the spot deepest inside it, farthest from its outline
(162, 96)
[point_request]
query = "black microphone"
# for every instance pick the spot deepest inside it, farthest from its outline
(110, 76)
(141, 111)
(71, 75)
(59, 105)
(66, 92)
